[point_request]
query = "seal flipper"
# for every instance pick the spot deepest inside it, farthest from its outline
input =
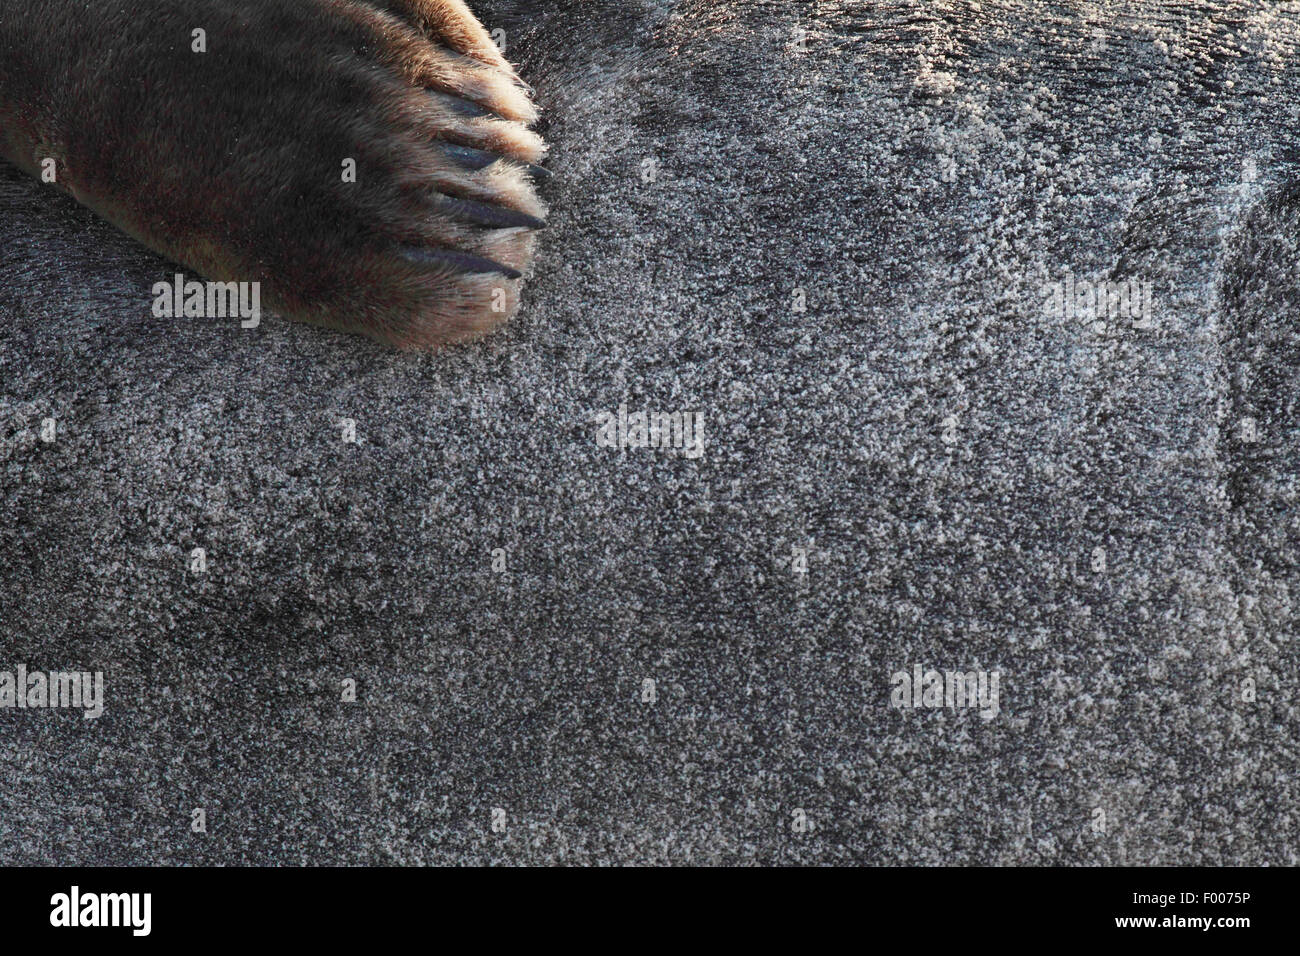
(234, 162)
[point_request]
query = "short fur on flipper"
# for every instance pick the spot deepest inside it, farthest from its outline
(231, 161)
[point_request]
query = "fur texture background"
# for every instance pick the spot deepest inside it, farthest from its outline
(953, 460)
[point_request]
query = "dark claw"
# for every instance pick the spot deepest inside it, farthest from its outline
(460, 105)
(486, 214)
(459, 261)
(477, 159)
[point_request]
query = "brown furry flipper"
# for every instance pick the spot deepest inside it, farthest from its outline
(231, 150)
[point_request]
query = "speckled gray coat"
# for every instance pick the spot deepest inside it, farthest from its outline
(831, 230)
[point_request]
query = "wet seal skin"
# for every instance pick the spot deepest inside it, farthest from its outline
(369, 162)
